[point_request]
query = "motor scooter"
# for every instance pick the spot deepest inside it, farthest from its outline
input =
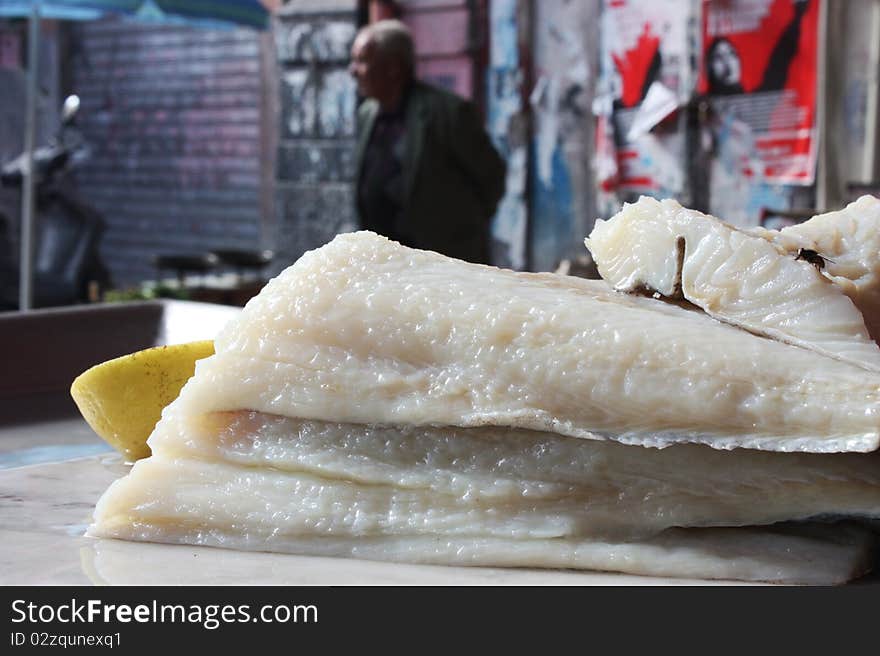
(67, 265)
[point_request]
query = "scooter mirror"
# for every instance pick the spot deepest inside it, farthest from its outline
(70, 108)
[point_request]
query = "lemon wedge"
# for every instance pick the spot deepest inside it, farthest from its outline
(122, 399)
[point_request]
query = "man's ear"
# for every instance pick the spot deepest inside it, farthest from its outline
(396, 69)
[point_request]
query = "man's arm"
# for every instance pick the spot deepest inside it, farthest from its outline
(477, 157)
(365, 113)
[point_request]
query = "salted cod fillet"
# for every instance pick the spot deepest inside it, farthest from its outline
(744, 278)
(375, 401)
(364, 330)
(849, 242)
(493, 496)
(777, 554)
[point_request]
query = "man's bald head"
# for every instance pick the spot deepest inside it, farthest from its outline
(393, 43)
(383, 61)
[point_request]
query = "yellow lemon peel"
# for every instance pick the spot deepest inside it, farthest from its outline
(122, 399)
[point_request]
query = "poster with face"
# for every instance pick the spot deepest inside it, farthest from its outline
(759, 70)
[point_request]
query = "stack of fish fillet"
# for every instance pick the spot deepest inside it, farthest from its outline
(375, 401)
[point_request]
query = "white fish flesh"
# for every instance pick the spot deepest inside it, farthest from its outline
(381, 402)
(848, 241)
(366, 331)
(490, 496)
(811, 555)
(733, 275)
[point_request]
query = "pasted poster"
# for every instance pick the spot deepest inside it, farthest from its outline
(504, 105)
(759, 70)
(564, 63)
(647, 75)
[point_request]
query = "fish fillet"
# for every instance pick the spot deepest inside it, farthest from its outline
(849, 242)
(364, 330)
(821, 555)
(733, 275)
(381, 402)
(490, 496)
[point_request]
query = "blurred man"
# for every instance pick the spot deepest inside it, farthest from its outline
(427, 173)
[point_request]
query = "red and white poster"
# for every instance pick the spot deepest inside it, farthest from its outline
(759, 69)
(646, 76)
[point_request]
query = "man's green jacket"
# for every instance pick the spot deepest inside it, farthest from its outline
(453, 176)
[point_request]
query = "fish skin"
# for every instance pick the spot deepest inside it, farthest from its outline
(736, 276)
(502, 497)
(849, 242)
(364, 330)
